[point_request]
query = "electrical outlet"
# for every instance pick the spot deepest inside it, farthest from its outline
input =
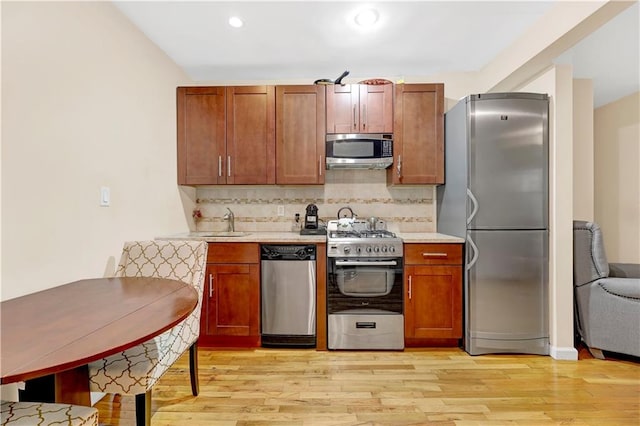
(280, 210)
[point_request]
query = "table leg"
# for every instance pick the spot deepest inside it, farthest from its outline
(72, 386)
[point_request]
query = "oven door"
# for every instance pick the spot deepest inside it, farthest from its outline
(370, 284)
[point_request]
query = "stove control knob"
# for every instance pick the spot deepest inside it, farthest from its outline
(376, 249)
(369, 249)
(358, 249)
(392, 249)
(384, 249)
(347, 250)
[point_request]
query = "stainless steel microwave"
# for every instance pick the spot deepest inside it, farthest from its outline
(359, 151)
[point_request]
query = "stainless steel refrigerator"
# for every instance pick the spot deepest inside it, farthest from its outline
(495, 196)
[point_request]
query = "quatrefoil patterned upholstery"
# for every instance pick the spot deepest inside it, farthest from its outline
(45, 414)
(136, 370)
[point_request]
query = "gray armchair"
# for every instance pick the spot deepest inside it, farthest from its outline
(607, 296)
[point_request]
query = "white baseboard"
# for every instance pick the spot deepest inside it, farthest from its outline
(566, 353)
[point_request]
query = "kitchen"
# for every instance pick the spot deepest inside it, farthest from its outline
(413, 154)
(54, 208)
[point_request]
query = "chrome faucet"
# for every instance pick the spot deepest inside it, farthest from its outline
(230, 218)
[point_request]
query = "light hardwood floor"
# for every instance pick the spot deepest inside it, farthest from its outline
(414, 387)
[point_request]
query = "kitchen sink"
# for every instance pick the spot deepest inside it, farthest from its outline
(222, 234)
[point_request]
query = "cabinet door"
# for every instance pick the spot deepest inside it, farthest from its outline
(343, 113)
(209, 300)
(376, 108)
(433, 302)
(201, 134)
(300, 134)
(233, 306)
(433, 254)
(250, 154)
(418, 142)
(360, 108)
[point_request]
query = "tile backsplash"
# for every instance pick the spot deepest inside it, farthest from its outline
(405, 209)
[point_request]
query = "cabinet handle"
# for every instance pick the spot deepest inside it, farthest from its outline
(219, 165)
(410, 287)
(399, 167)
(355, 120)
(364, 117)
(210, 285)
(229, 166)
(320, 166)
(434, 255)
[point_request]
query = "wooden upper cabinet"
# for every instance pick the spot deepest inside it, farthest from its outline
(226, 135)
(360, 108)
(250, 148)
(418, 137)
(342, 108)
(376, 108)
(300, 134)
(201, 133)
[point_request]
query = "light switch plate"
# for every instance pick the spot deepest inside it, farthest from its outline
(105, 196)
(280, 210)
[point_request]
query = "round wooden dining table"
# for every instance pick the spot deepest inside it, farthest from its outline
(60, 330)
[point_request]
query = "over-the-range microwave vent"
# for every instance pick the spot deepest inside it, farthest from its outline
(358, 164)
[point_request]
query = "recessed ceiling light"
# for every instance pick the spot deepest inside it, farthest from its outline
(367, 17)
(235, 22)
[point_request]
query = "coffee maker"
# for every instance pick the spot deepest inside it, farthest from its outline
(311, 217)
(311, 225)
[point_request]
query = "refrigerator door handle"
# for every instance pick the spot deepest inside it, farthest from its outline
(475, 206)
(474, 258)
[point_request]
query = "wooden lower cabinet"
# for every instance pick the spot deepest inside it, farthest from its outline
(231, 305)
(433, 294)
(321, 297)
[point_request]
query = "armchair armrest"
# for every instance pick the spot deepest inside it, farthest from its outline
(629, 288)
(624, 270)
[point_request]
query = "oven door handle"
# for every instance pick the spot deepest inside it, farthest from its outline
(366, 263)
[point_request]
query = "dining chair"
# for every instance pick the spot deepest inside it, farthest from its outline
(46, 414)
(136, 370)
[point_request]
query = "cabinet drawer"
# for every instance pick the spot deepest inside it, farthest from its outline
(233, 253)
(433, 254)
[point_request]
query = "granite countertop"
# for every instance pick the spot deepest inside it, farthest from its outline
(428, 237)
(294, 237)
(248, 237)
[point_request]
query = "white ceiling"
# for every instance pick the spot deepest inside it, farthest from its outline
(317, 39)
(610, 57)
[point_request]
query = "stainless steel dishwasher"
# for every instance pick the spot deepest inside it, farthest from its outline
(288, 295)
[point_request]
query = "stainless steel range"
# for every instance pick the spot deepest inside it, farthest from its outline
(364, 286)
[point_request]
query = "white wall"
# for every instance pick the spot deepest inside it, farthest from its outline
(583, 172)
(87, 101)
(617, 177)
(558, 83)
